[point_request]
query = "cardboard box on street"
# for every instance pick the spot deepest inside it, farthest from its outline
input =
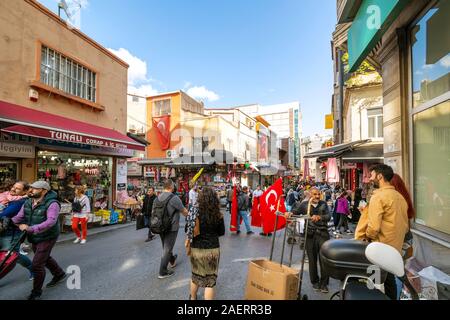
(268, 280)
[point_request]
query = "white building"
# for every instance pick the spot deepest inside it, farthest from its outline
(311, 144)
(285, 119)
(136, 114)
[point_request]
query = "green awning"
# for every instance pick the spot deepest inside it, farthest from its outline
(372, 20)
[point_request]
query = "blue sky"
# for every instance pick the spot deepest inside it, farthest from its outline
(225, 52)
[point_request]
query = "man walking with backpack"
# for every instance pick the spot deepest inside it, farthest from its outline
(165, 221)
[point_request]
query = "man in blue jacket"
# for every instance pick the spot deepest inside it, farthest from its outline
(12, 232)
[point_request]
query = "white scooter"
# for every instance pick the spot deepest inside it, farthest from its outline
(362, 268)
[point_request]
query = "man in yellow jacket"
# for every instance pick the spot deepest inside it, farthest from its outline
(386, 219)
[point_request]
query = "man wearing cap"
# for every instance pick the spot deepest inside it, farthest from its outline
(39, 218)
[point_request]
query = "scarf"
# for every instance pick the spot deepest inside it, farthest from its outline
(192, 224)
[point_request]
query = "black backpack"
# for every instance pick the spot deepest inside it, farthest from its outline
(160, 221)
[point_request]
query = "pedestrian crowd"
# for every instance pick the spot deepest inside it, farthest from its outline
(380, 215)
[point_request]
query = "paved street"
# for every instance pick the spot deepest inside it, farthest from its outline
(119, 265)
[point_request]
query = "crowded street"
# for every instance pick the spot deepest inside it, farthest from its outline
(119, 265)
(230, 150)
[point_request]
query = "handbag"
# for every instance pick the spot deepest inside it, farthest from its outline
(187, 246)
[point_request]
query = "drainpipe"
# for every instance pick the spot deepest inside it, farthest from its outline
(341, 105)
(341, 95)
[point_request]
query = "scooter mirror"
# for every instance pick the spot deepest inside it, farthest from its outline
(386, 257)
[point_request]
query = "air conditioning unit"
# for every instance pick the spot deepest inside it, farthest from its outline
(33, 95)
(171, 154)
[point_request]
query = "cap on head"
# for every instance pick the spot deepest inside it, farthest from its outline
(40, 185)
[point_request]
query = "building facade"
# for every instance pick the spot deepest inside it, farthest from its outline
(63, 106)
(411, 51)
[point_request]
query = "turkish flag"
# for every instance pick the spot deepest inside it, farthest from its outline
(271, 201)
(256, 212)
(234, 211)
(162, 127)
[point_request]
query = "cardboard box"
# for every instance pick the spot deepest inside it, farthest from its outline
(267, 280)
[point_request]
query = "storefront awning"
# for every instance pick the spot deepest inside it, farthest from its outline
(154, 162)
(335, 151)
(365, 152)
(34, 123)
(372, 20)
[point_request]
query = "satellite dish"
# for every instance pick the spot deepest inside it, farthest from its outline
(63, 5)
(72, 10)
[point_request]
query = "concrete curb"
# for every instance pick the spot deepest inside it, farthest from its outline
(93, 232)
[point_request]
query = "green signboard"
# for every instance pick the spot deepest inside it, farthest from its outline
(372, 20)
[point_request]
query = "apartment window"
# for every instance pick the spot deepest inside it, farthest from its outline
(161, 108)
(62, 73)
(375, 122)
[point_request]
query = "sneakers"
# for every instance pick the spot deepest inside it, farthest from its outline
(348, 232)
(34, 296)
(324, 289)
(150, 238)
(166, 275)
(316, 287)
(83, 241)
(56, 280)
(250, 232)
(174, 263)
(77, 240)
(31, 276)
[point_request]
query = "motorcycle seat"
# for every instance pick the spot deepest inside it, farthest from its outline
(359, 291)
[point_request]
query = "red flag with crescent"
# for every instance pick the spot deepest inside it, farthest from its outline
(271, 201)
(256, 212)
(162, 127)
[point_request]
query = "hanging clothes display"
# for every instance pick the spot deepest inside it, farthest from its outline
(332, 171)
(366, 173)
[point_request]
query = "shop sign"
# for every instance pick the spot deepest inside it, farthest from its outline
(14, 150)
(349, 165)
(149, 172)
(121, 176)
(134, 169)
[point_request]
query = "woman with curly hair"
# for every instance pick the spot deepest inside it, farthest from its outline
(205, 247)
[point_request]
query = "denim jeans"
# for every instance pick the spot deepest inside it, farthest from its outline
(5, 244)
(243, 215)
(147, 224)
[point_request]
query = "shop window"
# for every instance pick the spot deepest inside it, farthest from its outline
(430, 117)
(431, 54)
(161, 108)
(375, 123)
(431, 169)
(62, 73)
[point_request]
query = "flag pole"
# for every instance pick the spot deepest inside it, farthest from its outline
(275, 229)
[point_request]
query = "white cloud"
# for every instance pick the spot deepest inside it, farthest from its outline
(445, 61)
(138, 82)
(201, 93)
(138, 68)
(144, 90)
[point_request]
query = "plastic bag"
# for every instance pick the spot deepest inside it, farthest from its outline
(428, 278)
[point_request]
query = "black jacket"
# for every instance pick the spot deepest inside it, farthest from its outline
(243, 201)
(148, 205)
(321, 210)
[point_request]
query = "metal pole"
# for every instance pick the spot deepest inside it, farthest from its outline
(284, 244)
(273, 239)
(303, 260)
(341, 96)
